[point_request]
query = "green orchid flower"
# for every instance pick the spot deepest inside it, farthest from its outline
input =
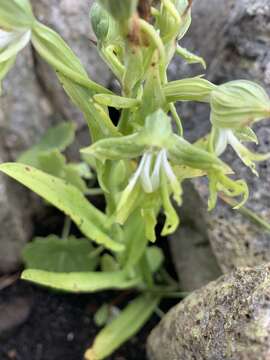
(234, 107)
(154, 179)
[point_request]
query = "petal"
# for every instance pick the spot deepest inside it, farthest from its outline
(14, 46)
(175, 184)
(145, 173)
(155, 177)
(221, 142)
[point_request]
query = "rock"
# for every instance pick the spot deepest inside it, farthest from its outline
(226, 320)
(193, 257)
(13, 314)
(237, 49)
(70, 19)
(24, 115)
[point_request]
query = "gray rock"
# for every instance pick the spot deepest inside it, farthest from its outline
(226, 320)
(237, 49)
(24, 115)
(193, 257)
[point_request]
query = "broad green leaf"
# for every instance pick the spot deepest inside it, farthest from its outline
(81, 282)
(56, 138)
(115, 101)
(60, 255)
(52, 162)
(127, 324)
(91, 222)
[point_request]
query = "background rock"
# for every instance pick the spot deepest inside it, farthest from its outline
(227, 319)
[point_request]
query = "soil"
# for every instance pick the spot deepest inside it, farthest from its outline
(60, 326)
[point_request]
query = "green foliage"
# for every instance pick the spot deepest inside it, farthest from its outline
(130, 320)
(140, 163)
(60, 255)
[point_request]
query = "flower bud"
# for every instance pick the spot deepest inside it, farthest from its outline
(192, 89)
(238, 104)
(100, 21)
(120, 10)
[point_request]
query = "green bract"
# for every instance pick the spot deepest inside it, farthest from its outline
(138, 162)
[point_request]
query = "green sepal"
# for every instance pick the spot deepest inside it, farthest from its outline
(189, 57)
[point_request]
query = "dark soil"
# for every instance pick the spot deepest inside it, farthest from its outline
(61, 327)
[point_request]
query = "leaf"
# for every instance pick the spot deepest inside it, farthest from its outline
(91, 222)
(81, 282)
(56, 138)
(127, 324)
(52, 163)
(58, 54)
(60, 255)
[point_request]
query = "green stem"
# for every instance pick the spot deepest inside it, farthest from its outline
(177, 119)
(66, 228)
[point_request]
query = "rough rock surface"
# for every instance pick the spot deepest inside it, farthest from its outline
(226, 320)
(237, 48)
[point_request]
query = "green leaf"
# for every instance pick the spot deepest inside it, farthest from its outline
(127, 324)
(60, 255)
(102, 315)
(58, 54)
(56, 138)
(52, 163)
(92, 223)
(16, 42)
(81, 282)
